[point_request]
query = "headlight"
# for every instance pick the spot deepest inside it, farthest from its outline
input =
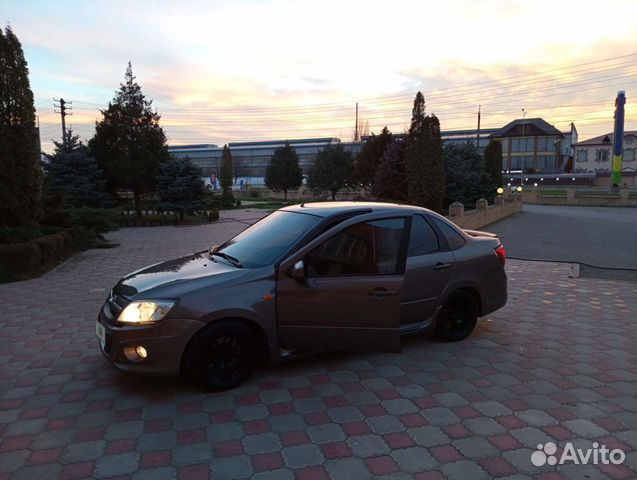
(145, 311)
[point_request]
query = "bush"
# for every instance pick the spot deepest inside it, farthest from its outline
(18, 234)
(18, 259)
(227, 199)
(213, 214)
(25, 259)
(237, 203)
(54, 246)
(98, 220)
(254, 193)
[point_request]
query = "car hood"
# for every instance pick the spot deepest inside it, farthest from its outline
(171, 276)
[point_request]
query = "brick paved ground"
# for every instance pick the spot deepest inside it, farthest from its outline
(558, 363)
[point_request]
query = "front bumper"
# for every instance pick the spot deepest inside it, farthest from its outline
(164, 342)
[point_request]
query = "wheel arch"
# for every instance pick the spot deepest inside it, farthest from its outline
(471, 289)
(259, 333)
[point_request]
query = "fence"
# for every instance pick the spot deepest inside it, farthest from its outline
(589, 197)
(484, 214)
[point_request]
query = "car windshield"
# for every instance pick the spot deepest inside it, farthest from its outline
(265, 241)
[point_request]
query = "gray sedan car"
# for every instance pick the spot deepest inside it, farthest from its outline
(316, 276)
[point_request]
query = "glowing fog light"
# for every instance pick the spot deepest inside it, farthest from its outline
(141, 351)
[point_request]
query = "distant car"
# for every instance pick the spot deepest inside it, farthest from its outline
(316, 276)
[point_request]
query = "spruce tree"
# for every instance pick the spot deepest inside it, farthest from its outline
(332, 170)
(493, 165)
(466, 179)
(71, 172)
(424, 159)
(129, 144)
(20, 166)
(390, 181)
(179, 187)
(369, 157)
(283, 171)
(225, 177)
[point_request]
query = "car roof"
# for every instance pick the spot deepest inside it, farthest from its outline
(329, 209)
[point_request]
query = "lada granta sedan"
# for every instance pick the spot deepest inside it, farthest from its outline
(316, 276)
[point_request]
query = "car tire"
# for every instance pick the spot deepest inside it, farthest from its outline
(221, 357)
(458, 317)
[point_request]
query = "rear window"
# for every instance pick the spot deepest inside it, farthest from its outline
(454, 239)
(422, 239)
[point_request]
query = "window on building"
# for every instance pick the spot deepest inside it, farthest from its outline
(527, 162)
(516, 163)
(545, 162)
(423, 239)
(515, 144)
(629, 155)
(602, 155)
(528, 144)
(582, 156)
(546, 144)
(505, 145)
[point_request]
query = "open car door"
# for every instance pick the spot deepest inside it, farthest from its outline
(342, 291)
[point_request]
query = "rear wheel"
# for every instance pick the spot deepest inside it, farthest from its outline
(221, 357)
(458, 317)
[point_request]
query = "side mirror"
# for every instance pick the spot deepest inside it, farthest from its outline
(297, 271)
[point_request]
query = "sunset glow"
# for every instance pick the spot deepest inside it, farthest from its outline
(252, 70)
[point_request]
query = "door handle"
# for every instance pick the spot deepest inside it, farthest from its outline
(441, 266)
(382, 292)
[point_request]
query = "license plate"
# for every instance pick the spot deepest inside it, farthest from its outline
(100, 332)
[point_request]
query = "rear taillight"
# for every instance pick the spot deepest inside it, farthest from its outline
(502, 254)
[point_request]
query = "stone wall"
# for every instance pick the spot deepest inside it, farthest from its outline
(581, 198)
(484, 214)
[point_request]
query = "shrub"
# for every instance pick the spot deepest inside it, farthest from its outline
(213, 214)
(54, 246)
(98, 220)
(18, 234)
(18, 259)
(254, 193)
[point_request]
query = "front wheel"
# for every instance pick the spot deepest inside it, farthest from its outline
(458, 317)
(221, 357)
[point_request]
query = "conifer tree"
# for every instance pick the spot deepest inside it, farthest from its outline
(424, 159)
(283, 171)
(20, 166)
(390, 181)
(129, 144)
(493, 165)
(369, 157)
(179, 187)
(72, 172)
(225, 176)
(332, 170)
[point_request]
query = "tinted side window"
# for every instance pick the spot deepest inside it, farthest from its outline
(365, 248)
(454, 239)
(423, 238)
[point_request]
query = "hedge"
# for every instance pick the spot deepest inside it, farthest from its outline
(20, 260)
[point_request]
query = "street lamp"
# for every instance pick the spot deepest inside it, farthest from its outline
(499, 190)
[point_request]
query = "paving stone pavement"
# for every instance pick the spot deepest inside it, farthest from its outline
(558, 363)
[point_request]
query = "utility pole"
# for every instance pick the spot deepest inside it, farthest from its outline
(524, 151)
(478, 132)
(356, 125)
(63, 113)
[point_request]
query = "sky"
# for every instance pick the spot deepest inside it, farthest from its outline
(226, 71)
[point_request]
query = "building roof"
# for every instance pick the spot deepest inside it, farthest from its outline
(606, 139)
(539, 123)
